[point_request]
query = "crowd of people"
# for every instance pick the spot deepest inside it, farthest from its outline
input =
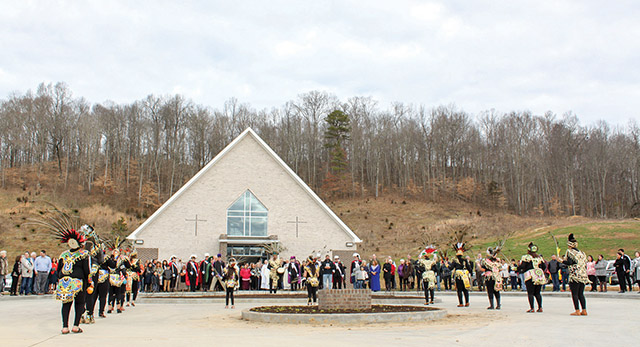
(89, 273)
(34, 274)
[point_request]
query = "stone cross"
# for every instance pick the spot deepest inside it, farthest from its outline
(196, 220)
(297, 221)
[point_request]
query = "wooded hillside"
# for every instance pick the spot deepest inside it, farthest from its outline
(140, 153)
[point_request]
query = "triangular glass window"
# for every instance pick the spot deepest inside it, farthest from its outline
(247, 216)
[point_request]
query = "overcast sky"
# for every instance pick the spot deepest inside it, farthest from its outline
(580, 56)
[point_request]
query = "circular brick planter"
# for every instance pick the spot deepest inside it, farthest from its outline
(344, 318)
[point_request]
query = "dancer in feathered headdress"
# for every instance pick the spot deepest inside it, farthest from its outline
(533, 266)
(133, 277)
(118, 264)
(493, 280)
(462, 268)
(576, 262)
(96, 260)
(428, 260)
(73, 271)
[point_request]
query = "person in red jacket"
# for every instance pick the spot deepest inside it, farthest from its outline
(245, 277)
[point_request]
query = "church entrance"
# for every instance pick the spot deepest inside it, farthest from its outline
(247, 253)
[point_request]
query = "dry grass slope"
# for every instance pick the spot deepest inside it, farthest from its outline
(390, 225)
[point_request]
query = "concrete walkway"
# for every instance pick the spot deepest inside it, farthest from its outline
(179, 323)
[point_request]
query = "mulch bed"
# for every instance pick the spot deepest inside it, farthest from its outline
(263, 296)
(315, 310)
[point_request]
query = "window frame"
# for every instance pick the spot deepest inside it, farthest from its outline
(247, 216)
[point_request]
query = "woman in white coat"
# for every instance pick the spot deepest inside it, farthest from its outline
(264, 276)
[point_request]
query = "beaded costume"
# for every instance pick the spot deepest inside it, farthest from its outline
(492, 266)
(576, 262)
(533, 266)
(73, 270)
(461, 273)
(274, 265)
(429, 275)
(311, 272)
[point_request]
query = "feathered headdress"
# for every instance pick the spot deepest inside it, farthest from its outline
(89, 233)
(429, 251)
(62, 227)
(459, 236)
(532, 247)
(71, 237)
(493, 251)
(115, 244)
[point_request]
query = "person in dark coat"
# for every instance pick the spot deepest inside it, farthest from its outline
(339, 275)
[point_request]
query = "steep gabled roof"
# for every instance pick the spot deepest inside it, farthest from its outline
(247, 132)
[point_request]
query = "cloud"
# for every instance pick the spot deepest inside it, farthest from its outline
(560, 56)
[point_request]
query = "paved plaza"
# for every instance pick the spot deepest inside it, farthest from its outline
(35, 321)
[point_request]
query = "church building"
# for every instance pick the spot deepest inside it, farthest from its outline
(245, 198)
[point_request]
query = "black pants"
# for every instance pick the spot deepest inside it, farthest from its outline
(206, 285)
(229, 296)
(116, 295)
(460, 288)
(103, 290)
(192, 283)
(594, 283)
(492, 292)
(272, 289)
(627, 277)
(533, 291)
(78, 306)
(577, 295)
(148, 283)
(294, 285)
(14, 285)
(90, 301)
(134, 291)
(427, 292)
(312, 293)
(388, 282)
(447, 282)
(622, 280)
(337, 283)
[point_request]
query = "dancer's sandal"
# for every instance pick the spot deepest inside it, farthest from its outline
(65, 331)
(76, 331)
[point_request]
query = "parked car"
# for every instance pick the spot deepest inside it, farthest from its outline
(7, 282)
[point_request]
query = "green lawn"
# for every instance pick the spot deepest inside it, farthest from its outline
(593, 238)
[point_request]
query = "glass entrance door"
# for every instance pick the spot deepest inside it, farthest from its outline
(246, 253)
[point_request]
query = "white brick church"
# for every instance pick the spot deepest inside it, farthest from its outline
(244, 198)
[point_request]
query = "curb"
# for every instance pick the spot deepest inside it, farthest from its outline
(343, 318)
